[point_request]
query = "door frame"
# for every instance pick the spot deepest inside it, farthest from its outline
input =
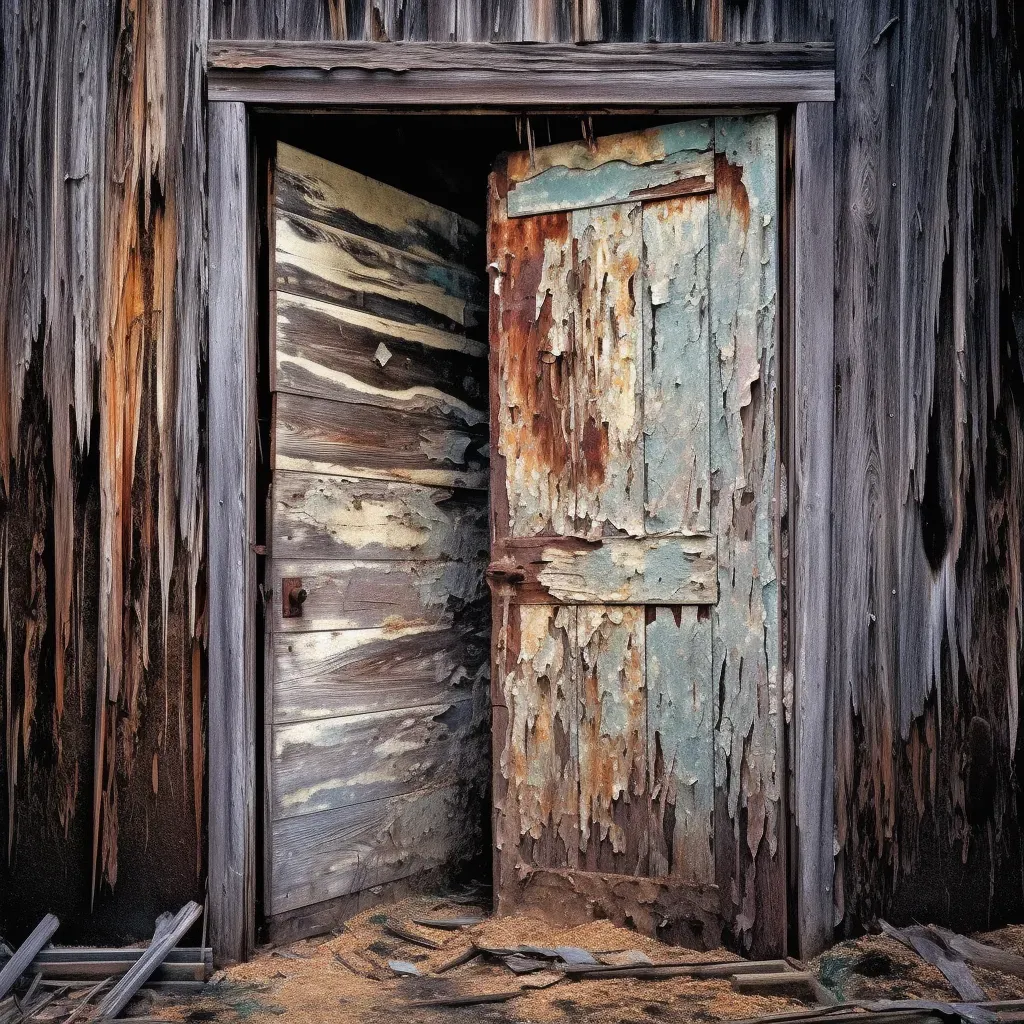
(688, 79)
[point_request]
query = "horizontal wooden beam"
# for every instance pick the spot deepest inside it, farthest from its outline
(517, 76)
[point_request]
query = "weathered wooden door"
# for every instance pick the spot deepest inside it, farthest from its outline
(636, 698)
(376, 689)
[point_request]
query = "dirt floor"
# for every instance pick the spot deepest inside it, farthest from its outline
(347, 977)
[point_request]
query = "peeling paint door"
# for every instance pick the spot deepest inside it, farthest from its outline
(636, 700)
(376, 689)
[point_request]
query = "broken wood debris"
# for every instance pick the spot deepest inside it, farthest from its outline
(165, 938)
(26, 953)
(931, 947)
(465, 957)
(448, 924)
(399, 931)
(469, 1000)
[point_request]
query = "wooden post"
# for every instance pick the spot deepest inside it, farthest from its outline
(231, 419)
(813, 398)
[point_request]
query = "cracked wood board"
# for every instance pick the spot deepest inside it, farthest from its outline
(659, 162)
(745, 628)
(377, 508)
(636, 321)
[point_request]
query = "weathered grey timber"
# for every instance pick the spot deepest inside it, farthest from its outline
(506, 77)
(26, 953)
(375, 733)
(810, 517)
(232, 778)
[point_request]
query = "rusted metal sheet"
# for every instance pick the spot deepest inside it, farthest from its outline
(614, 793)
(325, 517)
(745, 626)
(658, 163)
(677, 366)
(613, 570)
(680, 741)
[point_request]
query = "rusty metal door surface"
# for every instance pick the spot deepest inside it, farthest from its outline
(376, 689)
(636, 701)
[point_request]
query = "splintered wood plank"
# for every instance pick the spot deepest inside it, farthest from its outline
(370, 595)
(334, 762)
(324, 350)
(614, 797)
(680, 745)
(322, 517)
(608, 371)
(532, 372)
(613, 570)
(310, 186)
(324, 262)
(354, 671)
(331, 853)
(745, 623)
(670, 160)
(347, 439)
(677, 366)
(536, 785)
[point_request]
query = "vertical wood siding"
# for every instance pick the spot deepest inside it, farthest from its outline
(102, 312)
(102, 369)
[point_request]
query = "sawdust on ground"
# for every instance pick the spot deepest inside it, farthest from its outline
(345, 977)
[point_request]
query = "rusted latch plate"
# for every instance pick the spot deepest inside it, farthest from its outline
(293, 596)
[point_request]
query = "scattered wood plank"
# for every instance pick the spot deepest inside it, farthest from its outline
(932, 949)
(399, 931)
(448, 924)
(89, 996)
(469, 1000)
(465, 957)
(118, 997)
(779, 979)
(992, 958)
(26, 953)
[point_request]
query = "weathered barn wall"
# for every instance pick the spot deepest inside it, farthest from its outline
(101, 512)
(101, 340)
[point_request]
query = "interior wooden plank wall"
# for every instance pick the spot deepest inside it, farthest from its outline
(103, 344)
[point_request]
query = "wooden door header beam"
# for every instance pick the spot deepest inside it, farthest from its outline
(520, 76)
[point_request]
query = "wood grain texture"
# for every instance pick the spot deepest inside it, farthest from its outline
(325, 350)
(324, 674)
(745, 624)
(324, 262)
(436, 447)
(231, 683)
(330, 517)
(331, 853)
(677, 366)
(310, 186)
(680, 743)
(340, 762)
(656, 163)
(811, 497)
(368, 595)
(614, 570)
